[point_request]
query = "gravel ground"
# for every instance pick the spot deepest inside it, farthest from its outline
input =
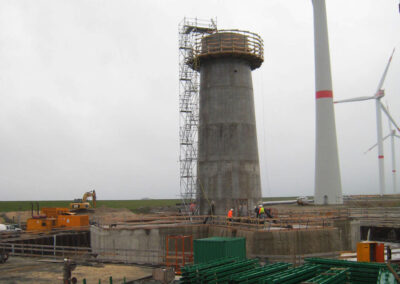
(35, 270)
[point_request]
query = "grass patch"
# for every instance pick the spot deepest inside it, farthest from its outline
(133, 205)
(138, 206)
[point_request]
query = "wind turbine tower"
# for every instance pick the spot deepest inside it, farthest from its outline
(328, 187)
(392, 135)
(379, 94)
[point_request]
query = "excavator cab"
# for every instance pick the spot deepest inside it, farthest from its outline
(80, 205)
(83, 204)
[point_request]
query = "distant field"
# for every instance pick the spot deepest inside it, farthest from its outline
(133, 205)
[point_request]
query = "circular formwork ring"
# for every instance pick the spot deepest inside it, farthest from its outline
(227, 43)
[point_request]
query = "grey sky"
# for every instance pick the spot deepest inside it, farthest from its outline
(89, 93)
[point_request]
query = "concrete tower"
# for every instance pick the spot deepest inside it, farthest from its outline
(328, 187)
(228, 167)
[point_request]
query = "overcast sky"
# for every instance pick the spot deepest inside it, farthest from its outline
(89, 93)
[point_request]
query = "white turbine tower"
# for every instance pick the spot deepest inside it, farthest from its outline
(392, 135)
(379, 107)
(328, 186)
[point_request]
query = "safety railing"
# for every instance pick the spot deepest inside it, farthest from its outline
(232, 42)
(118, 255)
(282, 223)
(382, 217)
(21, 249)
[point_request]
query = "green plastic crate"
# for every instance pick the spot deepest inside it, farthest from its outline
(208, 249)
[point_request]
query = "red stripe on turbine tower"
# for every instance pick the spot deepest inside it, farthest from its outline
(323, 94)
(328, 186)
(380, 157)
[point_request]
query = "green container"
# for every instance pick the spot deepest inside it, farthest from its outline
(216, 247)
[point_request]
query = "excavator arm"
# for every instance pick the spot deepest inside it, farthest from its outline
(91, 194)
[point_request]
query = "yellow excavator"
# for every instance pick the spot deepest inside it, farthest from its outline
(83, 204)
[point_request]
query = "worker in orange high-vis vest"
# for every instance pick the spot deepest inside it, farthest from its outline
(230, 214)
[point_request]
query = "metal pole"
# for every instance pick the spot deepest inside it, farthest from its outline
(394, 172)
(380, 147)
(54, 244)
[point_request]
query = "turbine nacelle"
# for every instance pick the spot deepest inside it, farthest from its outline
(380, 94)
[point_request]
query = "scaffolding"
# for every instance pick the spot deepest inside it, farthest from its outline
(190, 30)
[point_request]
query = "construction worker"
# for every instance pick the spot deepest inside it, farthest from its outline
(261, 212)
(192, 208)
(256, 209)
(230, 215)
(68, 267)
(212, 208)
(211, 212)
(268, 212)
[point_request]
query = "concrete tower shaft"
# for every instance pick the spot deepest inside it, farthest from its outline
(328, 188)
(228, 163)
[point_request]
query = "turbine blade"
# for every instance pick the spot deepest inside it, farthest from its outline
(389, 116)
(384, 74)
(386, 137)
(355, 99)
(373, 146)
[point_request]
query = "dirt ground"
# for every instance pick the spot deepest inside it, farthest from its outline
(110, 215)
(16, 216)
(32, 270)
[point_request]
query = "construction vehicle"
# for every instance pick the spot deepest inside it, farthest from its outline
(9, 228)
(303, 200)
(55, 218)
(83, 204)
